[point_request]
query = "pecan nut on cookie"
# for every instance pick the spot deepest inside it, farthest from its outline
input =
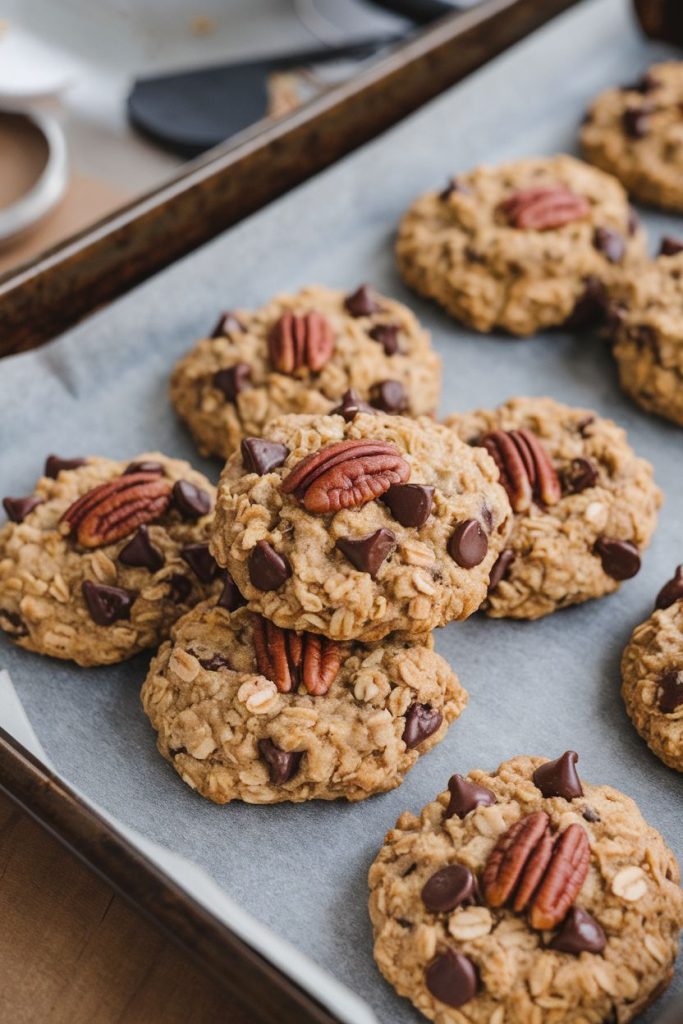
(584, 504)
(634, 132)
(520, 247)
(245, 710)
(526, 895)
(299, 354)
(652, 675)
(359, 524)
(104, 556)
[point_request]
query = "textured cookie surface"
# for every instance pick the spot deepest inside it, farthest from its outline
(363, 526)
(299, 354)
(469, 938)
(244, 710)
(636, 133)
(521, 247)
(109, 579)
(579, 533)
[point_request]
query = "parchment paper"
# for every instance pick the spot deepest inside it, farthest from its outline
(534, 688)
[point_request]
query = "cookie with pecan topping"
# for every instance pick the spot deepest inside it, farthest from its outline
(303, 353)
(520, 247)
(585, 505)
(360, 524)
(522, 891)
(104, 556)
(244, 710)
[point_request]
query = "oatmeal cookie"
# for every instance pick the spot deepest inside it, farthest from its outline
(357, 525)
(526, 895)
(585, 505)
(652, 675)
(520, 247)
(104, 556)
(300, 354)
(247, 711)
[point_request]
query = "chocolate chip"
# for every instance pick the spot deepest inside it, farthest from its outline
(422, 721)
(454, 185)
(590, 815)
(636, 122)
(215, 662)
(146, 466)
(409, 504)
(671, 591)
(13, 623)
(670, 246)
(362, 302)
(141, 552)
(449, 888)
(559, 777)
(583, 425)
(351, 405)
(389, 396)
(230, 598)
(633, 221)
(579, 933)
(452, 978)
(268, 570)
(54, 465)
(646, 84)
(610, 243)
(201, 561)
(233, 380)
(404, 922)
(579, 475)
(620, 558)
(107, 604)
(192, 502)
(261, 456)
(227, 323)
(465, 796)
(387, 336)
(670, 692)
(282, 764)
(500, 568)
(468, 545)
(590, 306)
(18, 508)
(368, 553)
(180, 588)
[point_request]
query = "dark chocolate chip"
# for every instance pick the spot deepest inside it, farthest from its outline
(368, 553)
(620, 558)
(268, 570)
(590, 815)
(13, 623)
(671, 591)
(422, 721)
(579, 475)
(389, 396)
(409, 504)
(141, 552)
(282, 764)
(180, 588)
(192, 502)
(201, 561)
(636, 122)
(670, 692)
(54, 465)
(351, 405)
(449, 888)
(107, 604)
(362, 302)
(18, 508)
(452, 978)
(469, 544)
(647, 83)
(590, 306)
(633, 221)
(579, 933)
(215, 662)
(387, 336)
(500, 568)
(610, 243)
(559, 777)
(404, 922)
(454, 185)
(466, 796)
(233, 380)
(227, 323)
(261, 456)
(583, 425)
(670, 246)
(145, 466)
(230, 598)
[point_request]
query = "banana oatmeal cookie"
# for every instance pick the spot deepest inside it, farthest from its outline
(360, 524)
(247, 711)
(585, 505)
(300, 354)
(526, 896)
(520, 247)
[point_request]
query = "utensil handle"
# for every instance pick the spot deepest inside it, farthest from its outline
(661, 19)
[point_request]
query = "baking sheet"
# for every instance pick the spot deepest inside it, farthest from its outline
(534, 688)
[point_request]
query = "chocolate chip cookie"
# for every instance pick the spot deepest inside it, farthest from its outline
(636, 133)
(646, 313)
(585, 506)
(652, 675)
(520, 247)
(359, 524)
(104, 556)
(300, 354)
(526, 895)
(245, 710)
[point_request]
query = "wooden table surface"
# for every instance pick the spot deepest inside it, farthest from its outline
(73, 952)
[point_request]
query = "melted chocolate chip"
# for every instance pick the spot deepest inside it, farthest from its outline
(107, 604)
(620, 558)
(579, 933)
(610, 243)
(230, 598)
(422, 721)
(201, 561)
(180, 588)
(670, 246)
(465, 796)
(579, 475)
(141, 552)
(18, 508)
(636, 122)
(671, 591)
(389, 396)
(261, 456)
(54, 465)
(214, 663)
(228, 323)
(590, 815)
(351, 405)
(387, 336)
(449, 888)
(367, 554)
(233, 380)
(590, 306)
(362, 302)
(452, 978)
(500, 568)
(559, 777)
(469, 544)
(282, 764)
(13, 623)
(192, 502)
(670, 692)
(583, 425)
(409, 504)
(268, 570)
(145, 466)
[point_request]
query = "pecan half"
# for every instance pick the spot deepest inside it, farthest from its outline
(347, 474)
(300, 341)
(544, 208)
(288, 658)
(526, 471)
(562, 880)
(115, 509)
